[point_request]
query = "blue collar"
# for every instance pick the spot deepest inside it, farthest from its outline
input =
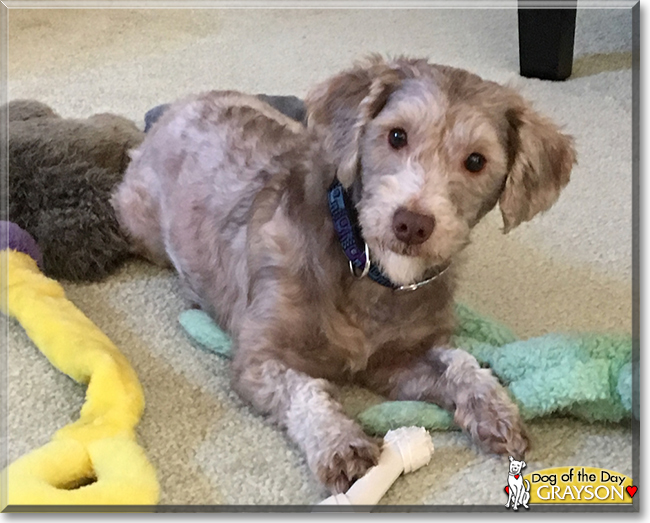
(346, 224)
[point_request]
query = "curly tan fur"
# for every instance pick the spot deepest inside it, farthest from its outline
(233, 194)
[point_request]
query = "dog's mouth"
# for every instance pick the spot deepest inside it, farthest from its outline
(414, 263)
(406, 251)
(401, 248)
(420, 252)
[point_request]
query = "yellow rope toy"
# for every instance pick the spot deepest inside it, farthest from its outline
(95, 460)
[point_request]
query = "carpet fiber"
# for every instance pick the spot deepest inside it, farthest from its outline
(569, 270)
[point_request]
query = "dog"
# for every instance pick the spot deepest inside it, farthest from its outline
(517, 493)
(329, 251)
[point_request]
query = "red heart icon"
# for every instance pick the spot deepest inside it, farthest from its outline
(516, 476)
(508, 489)
(631, 490)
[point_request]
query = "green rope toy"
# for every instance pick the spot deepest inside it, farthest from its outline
(588, 376)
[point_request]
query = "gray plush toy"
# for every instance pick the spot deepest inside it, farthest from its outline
(61, 175)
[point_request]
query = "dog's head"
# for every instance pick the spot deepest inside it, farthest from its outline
(428, 150)
(516, 466)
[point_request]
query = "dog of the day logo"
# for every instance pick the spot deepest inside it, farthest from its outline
(567, 485)
(518, 487)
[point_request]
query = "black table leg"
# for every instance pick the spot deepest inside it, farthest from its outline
(546, 39)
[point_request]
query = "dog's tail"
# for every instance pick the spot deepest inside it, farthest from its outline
(526, 484)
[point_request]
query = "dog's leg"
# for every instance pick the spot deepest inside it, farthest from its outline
(453, 379)
(137, 211)
(517, 496)
(337, 450)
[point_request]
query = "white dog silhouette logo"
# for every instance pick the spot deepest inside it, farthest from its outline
(518, 494)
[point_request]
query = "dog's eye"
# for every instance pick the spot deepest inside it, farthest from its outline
(475, 162)
(397, 138)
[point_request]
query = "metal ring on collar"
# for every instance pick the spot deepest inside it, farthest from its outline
(366, 268)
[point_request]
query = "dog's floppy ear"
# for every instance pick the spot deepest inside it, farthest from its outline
(341, 106)
(541, 161)
(523, 464)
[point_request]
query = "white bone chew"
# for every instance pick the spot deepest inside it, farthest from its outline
(405, 449)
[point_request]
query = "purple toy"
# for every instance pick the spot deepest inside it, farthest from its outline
(17, 239)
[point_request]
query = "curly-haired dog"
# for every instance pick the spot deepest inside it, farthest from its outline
(298, 240)
(62, 172)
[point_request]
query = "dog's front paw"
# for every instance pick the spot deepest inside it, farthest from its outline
(345, 457)
(493, 422)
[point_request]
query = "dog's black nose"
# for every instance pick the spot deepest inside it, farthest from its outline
(412, 228)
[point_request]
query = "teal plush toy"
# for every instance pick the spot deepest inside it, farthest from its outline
(588, 376)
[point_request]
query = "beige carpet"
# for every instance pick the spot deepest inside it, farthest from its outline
(569, 270)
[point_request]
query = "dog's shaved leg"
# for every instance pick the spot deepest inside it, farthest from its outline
(337, 450)
(453, 379)
(138, 212)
